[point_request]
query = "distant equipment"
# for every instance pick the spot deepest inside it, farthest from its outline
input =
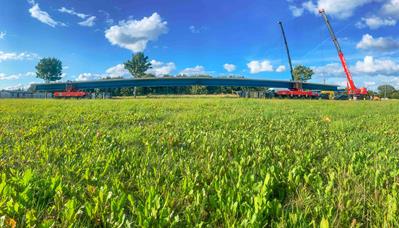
(70, 92)
(352, 90)
(297, 91)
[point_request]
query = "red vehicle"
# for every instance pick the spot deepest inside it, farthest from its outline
(297, 91)
(353, 91)
(70, 92)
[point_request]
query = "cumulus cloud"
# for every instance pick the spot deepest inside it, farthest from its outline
(135, 34)
(341, 9)
(368, 66)
(89, 22)
(260, 66)
(373, 66)
(7, 56)
(118, 71)
(43, 16)
(2, 35)
(90, 77)
(369, 72)
(160, 69)
(375, 22)
(229, 67)
(329, 70)
(197, 70)
(280, 69)
(391, 8)
(368, 42)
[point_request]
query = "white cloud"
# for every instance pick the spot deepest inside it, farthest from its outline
(229, 67)
(158, 69)
(329, 70)
(2, 35)
(19, 86)
(108, 18)
(197, 70)
(311, 7)
(369, 66)
(369, 72)
(7, 56)
(118, 71)
(73, 12)
(296, 11)
(89, 77)
(260, 66)
(30, 74)
(375, 22)
(43, 16)
(280, 69)
(368, 42)
(373, 66)
(89, 22)
(161, 69)
(391, 8)
(8, 77)
(341, 9)
(16, 76)
(193, 29)
(135, 34)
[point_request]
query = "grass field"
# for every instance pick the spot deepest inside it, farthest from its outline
(203, 162)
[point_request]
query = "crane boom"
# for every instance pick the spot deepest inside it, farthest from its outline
(288, 50)
(351, 84)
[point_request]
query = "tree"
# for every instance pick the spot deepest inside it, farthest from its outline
(49, 69)
(302, 73)
(138, 65)
(198, 90)
(386, 90)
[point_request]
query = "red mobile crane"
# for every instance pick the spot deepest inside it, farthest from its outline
(297, 91)
(352, 90)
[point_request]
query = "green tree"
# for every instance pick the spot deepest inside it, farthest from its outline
(302, 73)
(386, 90)
(138, 65)
(49, 69)
(198, 90)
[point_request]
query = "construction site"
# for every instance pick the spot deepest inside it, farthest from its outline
(292, 89)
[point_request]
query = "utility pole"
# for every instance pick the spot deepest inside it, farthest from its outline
(386, 90)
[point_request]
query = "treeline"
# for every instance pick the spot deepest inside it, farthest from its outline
(387, 91)
(176, 90)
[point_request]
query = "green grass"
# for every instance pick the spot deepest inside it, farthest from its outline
(202, 162)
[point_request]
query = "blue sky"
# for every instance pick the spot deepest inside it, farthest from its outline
(240, 37)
